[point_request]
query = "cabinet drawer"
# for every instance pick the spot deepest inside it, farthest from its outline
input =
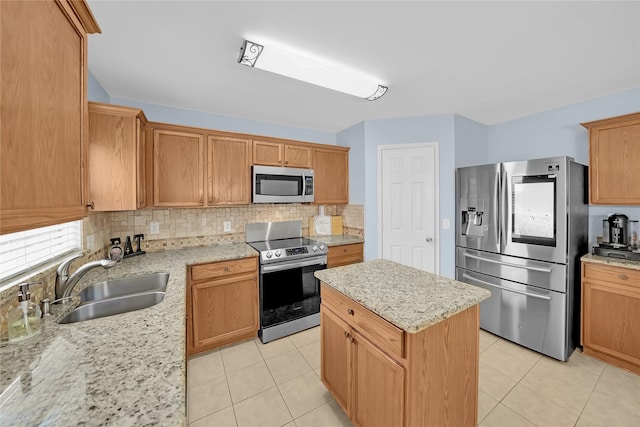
(345, 250)
(608, 274)
(223, 268)
(383, 334)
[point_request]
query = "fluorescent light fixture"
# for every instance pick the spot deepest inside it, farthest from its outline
(303, 67)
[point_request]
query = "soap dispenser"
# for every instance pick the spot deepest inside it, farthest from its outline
(24, 320)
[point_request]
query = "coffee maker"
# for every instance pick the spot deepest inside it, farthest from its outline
(622, 241)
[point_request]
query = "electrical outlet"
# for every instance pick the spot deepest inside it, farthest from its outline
(90, 242)
(446, 224)
(154, 228)
(227, 226)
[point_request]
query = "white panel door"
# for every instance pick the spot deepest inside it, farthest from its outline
(409, 206)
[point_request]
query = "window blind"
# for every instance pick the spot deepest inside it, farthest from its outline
(27, 249)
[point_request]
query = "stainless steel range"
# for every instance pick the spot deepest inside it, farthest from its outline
(289, 292)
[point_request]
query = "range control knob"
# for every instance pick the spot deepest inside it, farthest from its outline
(322, 247)
(314, 248)
(268, 254)
(278, 253)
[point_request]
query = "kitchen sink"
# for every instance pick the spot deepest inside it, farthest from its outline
(125, 286)
(118, 296)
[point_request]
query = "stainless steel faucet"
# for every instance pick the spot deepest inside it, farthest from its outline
(65, 282)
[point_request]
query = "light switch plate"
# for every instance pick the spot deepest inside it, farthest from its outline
(154, 228)
(446, 224)
(227, 226)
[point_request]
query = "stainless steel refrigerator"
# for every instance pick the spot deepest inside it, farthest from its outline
(521, 228)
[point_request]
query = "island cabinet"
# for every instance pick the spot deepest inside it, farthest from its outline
(43, 106)
(222, 303)
(272, 153)
(614, 156)
(331, 175)
(610, 315)
(382, 375)
(345, 254)
(117, 166)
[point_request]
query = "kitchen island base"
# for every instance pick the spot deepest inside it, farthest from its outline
(382, 375)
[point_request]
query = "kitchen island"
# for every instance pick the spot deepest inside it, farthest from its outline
(127, 369)
(400, 346)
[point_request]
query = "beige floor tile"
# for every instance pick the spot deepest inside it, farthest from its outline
(486, 404)
(620, 387)
(584, 423)
(249, 381)
(517, 351)
(223, 418)
(579, 370)
(318, 372)
(203, 368)
(266, 409)
(306, 337)
(505, 363)
(493, 382)
(287, 366)
(311, 353)
(275, 348)
(304, 393)
(291, 424)
(207, 398)
(487, 339)
(557, 389)
(501, 416)
(240, 356)
(328, 415)
(605, 412)
(538, 409)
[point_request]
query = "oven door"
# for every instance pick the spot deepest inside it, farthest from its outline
(289, 290)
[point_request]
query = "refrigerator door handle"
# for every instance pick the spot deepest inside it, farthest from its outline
(496, 212)
(508, 264)
(466, 276)
(504, 213)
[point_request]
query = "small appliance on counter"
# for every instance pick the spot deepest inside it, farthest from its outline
(620, 238)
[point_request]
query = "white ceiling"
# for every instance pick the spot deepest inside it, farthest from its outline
(488, 61)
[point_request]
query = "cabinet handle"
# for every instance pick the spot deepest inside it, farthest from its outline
(350, 311)
(91, 205)
(351, 339)
(286, 162)
(346, 334)
(623, 276)
(226, 269)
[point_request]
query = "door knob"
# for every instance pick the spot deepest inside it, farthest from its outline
(429, 239)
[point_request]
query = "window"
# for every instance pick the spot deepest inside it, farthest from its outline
(27, 249)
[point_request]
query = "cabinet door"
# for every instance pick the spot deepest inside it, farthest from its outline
(296, 156)
(228, 171)
(345, 255)
(141, 169)
(378, 389)
(224, 310)
(335, 352)
(267, 153)
(614, 156)
(178, 168)
(114, 157)
(611, 322)
(331, 176)
(43, 108)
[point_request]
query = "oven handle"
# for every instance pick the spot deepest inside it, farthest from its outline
(270, 268)
(508, 264)
(466, 276)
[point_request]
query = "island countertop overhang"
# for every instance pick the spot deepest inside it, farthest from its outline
(409, 298)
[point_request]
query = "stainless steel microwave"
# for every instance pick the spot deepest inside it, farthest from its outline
(282, 185)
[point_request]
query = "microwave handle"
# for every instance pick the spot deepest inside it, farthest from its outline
(304, 184)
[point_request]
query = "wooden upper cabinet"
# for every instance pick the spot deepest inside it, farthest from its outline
(178, 168)
(228, 171)
(331, 175)
(44, 112)
(614, 156)
(116, 158)
(281, 154)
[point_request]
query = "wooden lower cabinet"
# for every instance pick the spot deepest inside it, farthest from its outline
(611, 314)
(345, 254)
(222, 303)
(383, 376)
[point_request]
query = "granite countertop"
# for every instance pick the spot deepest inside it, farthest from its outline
(127, 369)
(614, 262)
(409, 298)
(337, 240)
